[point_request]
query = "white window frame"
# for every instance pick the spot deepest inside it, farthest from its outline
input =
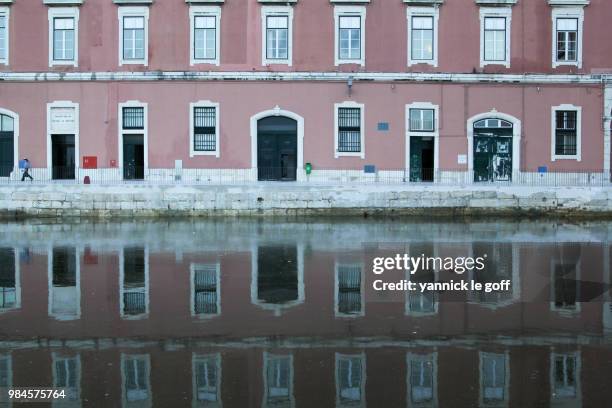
(482, 355)
(192, 271)
(553, 135)
(555, 397)
(433, 12)
(51, 291)
(73, 395)
(567, 12)
(206, 358)
(268, 359)
(422, 358)
(350, 11)
(362, 399)
(122, 290)
(565, 312)
(204, 104)
(435, 134)
(205, 11)
(495, 12)
(337, 266)
(6, 13)
(134, 12)
(63, 12)
(144, 132)
(283, 11)
(349, 104)
(142, 402)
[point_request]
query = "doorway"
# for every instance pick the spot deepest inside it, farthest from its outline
(133, 157)
(493, 150)
(7, 145)
(422, 159)
(276, 149)
(63, 160)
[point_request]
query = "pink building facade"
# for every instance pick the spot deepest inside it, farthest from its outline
(425, 90)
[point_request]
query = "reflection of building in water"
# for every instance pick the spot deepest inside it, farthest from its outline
(64, 283)
(502, 263)
(278, 380)
(206, 374)
(350, 380)
(565, 284)
(494, 379)
(136, 382)
(349, 292)
(277, 276)
(67, 376)
(134, 283)
(420, 303)
(565, 372)
(205, 290)
(422, 379)
(10, 286)
(6, 378)
(607, 307)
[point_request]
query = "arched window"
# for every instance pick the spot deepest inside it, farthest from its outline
(493, 123)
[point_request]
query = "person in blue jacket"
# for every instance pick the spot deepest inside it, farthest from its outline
(26, 169)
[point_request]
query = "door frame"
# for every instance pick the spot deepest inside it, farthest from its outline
(74, 131)
(435, 134)
(15, 118)
(121, 132)
(277, 111)
(516, 140)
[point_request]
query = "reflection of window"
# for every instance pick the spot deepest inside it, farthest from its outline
(5, 377)
(565, 373)
(136, 386)
(207, 380)
(422, 379)
(493, 378)
(277, 274)
(64, 293)
(9, 296)
(350, 380)
(205, 286)
(134, 285)
(418, 302)
(67, 376)
(278, 380)
(565, 287)
(348, 290)
(499, 265)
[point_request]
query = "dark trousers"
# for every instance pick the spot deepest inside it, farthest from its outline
(26, 173)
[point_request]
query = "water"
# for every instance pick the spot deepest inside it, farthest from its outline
(253, 313)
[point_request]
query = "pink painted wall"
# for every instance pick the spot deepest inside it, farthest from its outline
(386, 37)
(168, 104)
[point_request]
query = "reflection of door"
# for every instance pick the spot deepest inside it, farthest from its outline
(277, 274)
(277, 148)
(62, 157)
(421, 158)
(133, 157)
(493, 150)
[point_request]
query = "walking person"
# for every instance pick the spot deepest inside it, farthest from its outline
(26, 170)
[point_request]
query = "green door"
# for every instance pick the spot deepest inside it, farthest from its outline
(493, 150)
(7, 146)
(421, 159)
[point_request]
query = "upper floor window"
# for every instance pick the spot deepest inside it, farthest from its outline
(350, 34)
(63, 36)
(495, 36)
(4, 35)
(566, 137)
(349, 130)
(567, 36)
(205, 34)
(423, 35)
(133, 35)
(204, 129)
(277, 23)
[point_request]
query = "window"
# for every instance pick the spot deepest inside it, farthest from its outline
(133, 35)
(63, 36)
(423, 35)
(565, 376)
(4, 35)
(566, 132)
(565, 286)
(9, 280)
(207, 380)
(422, 120)
(567, 36)
(204, 129)
(278, 380)
(64, 290)
(206, 299)
(422, 379)
(495, 36)
(350, 380)
(6, 378)
(350, 35)
(133, 118)
(349, 135)
(135, 370)
(134, 283)
(205, 34)
(67, 375)
(277, 23)
(494, 379)
(349, 290)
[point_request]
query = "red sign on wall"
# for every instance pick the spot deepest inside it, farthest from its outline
(90, 162)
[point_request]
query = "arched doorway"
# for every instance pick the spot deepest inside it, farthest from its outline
(7, 145)
(493, 150)
(276, 149)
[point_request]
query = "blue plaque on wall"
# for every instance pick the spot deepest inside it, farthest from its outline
(383, 126)
(369, 168)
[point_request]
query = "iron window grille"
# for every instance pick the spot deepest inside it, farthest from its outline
(205, 38)
(495, 39)
(205, 290)
(567, 39)
(349, 130)
(133, 38)
(133, 118)
(205, 129)
(63, 38)
(350, 37)
(422, 120)
(422, 34)
(349, 289)
(566, 133)
(277, 37)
